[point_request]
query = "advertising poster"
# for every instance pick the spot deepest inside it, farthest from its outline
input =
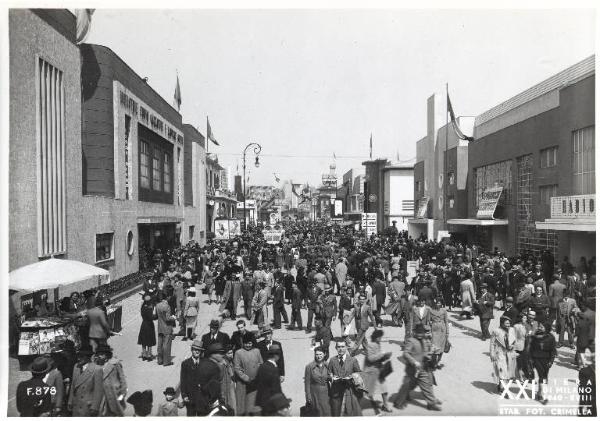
(489, 202)
(235, 228)
(222, 229)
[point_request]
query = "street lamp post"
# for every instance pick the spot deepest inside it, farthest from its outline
(257, 149)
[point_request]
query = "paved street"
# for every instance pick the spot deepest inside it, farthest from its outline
(466, 375)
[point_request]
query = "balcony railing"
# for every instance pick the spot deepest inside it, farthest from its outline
(573, 207)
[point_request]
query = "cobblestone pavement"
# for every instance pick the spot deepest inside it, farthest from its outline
(464, 385)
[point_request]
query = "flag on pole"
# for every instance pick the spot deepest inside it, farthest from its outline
(177, 95)
(371, 147)
(454, 123)
(83, 19)
(209, 133)
(397, 155)
(276, 178)
(334, 156)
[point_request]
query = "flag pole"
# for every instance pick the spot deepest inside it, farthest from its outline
(207, 139)
(446, 164)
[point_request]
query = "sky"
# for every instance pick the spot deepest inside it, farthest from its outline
(308, 84)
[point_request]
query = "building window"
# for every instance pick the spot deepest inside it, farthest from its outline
(130, 243)
(167, 173)
(546, 192)
(191, 232)
(51, 162)
(451, 178)
(418, 186)
(127, 160)
(104, 247)
(548, 157)
(144, 164)
(408, 205)
(156, 170)
(451, 202)
(583, 161)
(493, 175)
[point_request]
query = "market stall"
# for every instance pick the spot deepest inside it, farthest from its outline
(35, 293)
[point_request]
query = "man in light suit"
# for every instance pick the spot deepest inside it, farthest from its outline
(363, 314)
(87, 390)
(166, 322)
(419, 315)
(567, 312)
(259, 306)
(556, 292)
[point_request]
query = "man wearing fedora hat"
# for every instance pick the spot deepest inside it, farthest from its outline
(416, 355)
(215, 335)
(86, 386)
(34, 396)
(268, 379)
(114, 382)
(265, 346)
(188, 380)
(209, 378)
(486, 311)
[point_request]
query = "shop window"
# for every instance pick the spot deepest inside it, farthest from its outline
(144, 164)
(547, 192)
(167, 172)
(191, 232)
(548, 157)
(156, 170)
(104, 247)
(130, 243)
(584, 161)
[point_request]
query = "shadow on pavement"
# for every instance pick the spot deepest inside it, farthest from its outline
(489, 387)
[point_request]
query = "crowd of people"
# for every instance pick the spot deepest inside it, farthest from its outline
(332, 272)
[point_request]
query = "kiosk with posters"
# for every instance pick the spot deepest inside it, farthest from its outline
(36, 290)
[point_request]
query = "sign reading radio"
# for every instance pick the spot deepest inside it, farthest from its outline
(149, 119)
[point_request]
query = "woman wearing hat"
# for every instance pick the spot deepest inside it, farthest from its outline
(190, 312)
(316, 388)
(147, 334)
(542, 351)
(502, 352)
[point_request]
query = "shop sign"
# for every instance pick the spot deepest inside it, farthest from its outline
(488, 203)
(422, 209)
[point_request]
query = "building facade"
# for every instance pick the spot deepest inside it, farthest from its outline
(45, 136)
(539, 146)
(220, 202)
(194, 172)
(440, 174)
(398, 194)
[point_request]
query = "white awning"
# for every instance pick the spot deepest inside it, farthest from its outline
(478, 222)
(567, 225)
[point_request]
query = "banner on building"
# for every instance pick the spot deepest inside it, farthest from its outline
(369, 223)
(338, 211)
(235, 228)
(411, 268)
(489, 202)
(422, 209)
(221, 229)
(273, 234)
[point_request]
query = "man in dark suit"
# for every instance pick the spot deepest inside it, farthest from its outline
(215, 336)
(341, 367)
(313, 297)
(379, 292)
(266, 344)
(164, 329)
(237, 336)
(34, 395)
(486, 311)
(99, 328)
(511, 311)
(296, 306)
(268, 380)
(189, 380)
(567, 313)
(248, 294)
(278, 305)
(328, 305)
(209, 378)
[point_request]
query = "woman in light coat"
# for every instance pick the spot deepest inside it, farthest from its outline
(439, 328)
(502, 352)
(316, 388)
(190, 312)
(467, 292)
(374, 362)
